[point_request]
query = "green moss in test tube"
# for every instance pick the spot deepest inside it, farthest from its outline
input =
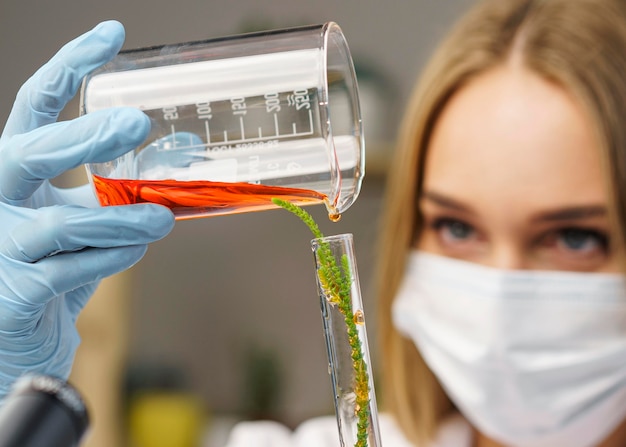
(346, 338)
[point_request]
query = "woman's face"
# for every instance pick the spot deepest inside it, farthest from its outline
(513, 179)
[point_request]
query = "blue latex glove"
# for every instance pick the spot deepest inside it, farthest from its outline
(55, 244)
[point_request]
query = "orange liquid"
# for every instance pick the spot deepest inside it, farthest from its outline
(191, 199)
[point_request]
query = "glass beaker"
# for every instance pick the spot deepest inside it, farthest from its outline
(236, 121)
(349, 361)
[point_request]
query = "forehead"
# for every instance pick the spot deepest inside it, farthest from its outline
(511, 137)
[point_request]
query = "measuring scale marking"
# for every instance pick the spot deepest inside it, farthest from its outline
(244, 139)
(259, 121)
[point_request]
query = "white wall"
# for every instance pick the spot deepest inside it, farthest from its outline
(215, 285)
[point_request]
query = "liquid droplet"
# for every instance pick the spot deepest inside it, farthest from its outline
(336, 217)
(333, 215)
(359, 318)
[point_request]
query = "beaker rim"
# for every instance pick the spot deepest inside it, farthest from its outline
(333, 238)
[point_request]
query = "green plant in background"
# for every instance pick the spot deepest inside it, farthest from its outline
(262, 382)
(336, 282)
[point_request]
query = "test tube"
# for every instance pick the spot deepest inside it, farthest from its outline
(346, 341)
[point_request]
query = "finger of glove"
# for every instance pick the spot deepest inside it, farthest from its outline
(67, 228)
(48, 195)
(46, 152)
(44, 95)
(34, 285)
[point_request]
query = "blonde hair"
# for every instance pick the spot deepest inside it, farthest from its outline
(578, 44)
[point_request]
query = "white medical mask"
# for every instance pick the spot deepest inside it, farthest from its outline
(532, 359)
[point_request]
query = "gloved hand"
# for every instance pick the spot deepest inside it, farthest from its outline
(55, 245)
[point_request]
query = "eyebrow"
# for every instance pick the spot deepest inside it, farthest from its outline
(571, 213)
(565, 213)
(444, 201)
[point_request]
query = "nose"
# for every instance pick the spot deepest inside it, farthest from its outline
(506, 256)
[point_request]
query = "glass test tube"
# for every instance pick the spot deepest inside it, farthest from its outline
(346, 341)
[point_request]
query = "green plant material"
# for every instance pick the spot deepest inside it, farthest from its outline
(336, 283)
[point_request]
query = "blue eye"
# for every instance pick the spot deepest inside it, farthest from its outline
(454, 230)
(582, 240)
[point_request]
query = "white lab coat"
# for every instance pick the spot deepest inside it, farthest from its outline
(322, 432)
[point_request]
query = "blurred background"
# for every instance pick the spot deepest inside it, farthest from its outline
(221, 321)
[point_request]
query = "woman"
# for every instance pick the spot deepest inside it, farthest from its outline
(512, 156)
(502, 306)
